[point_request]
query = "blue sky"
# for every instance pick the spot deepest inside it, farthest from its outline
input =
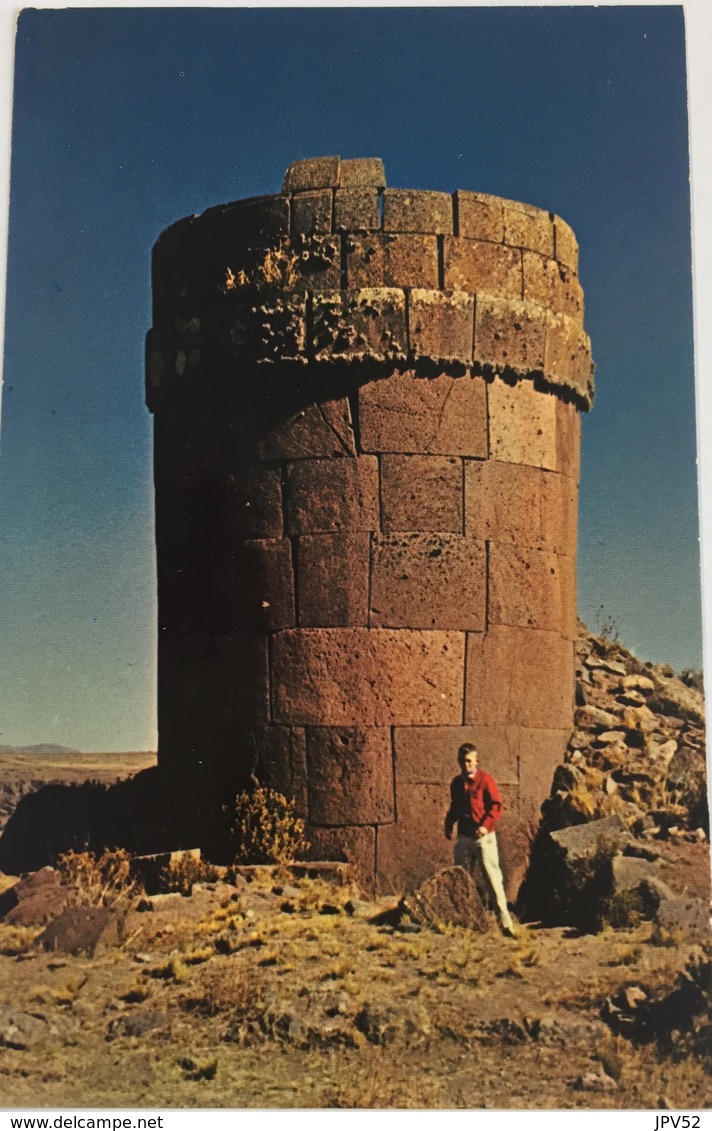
(127, 119)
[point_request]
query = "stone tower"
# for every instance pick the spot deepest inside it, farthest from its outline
(367, 407)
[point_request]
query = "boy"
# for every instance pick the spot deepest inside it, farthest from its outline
(476, 806)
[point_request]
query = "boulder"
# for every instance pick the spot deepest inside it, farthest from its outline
(19, 1030)
(685, 914)
(450, 896)
(80, 930)
(605, 836)
(35, 900)
(637, 682)
(592, 717)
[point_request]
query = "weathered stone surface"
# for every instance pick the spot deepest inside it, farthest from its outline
(312, 173)
(531, 589)
(21, 1030)
(567, 356)
(528, 227)
(592, 716)
(541, 750)
(350, 775)
(323, 429)
(356, 209)
(410, 210)
(629, 872)
(311, 211)
(480, 217)
(278, 758)
(386, 260)
(421, 493)
(552, 285)
(253, 507)
(428, 755)
(638, 682)
(318, 262)
(450, 896)
(368, 324)
(257, 586)
(269, 329)
(566, 246)
(415, 848)
(568, 440)
(355, 844)
(44, 880)
(35, 900)
(427, 581)
(519, 677)
(333, 578)
(580, 842)
(509, 334)
(136, 1024)
(522, 423)
(441, 324)
(324, 495)
(689, 916)
(80, 930)
(358, 171)
(367, 677)
(475, 265)
(431, 416)
(520, 505)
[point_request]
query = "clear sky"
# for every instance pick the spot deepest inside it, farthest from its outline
(127, 119)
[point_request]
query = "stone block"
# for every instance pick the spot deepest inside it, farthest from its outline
(568, 440)
(541, 750)
(475, 265)
(552, 285)
(385, 260)
(480, 217)
(222, 680)
(441, 324)
(520, 505)
(530, 228)
(522, 424)
(356, 209)
(430, 415)
(273, 328)
(318, 262)
(350, 776)
(312, 173)
(361, 325)
(333, 578)
(318, 430)
(450, 896)
(427, 581)
(82, 930)
(354, 844)
(359, 172)
(519, 677)
(253, 503)
(428, 755)
(278, 759)
(325, 495)
(367, 677)
(411, 210)
(566, 248)
(255, 589)
(262, 220)
(528, 589)
(509, 334)
(311, 211)
(421, 493)
(35, 901)
(415, 848)
(567, 356)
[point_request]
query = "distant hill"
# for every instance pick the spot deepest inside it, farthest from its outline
(41, 748)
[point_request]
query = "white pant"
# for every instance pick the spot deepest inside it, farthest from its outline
(470, 851)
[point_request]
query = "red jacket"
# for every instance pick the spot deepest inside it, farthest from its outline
(474, 802)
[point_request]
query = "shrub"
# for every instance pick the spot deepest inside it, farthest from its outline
(98, 880)
(180, 874)
(264, 829)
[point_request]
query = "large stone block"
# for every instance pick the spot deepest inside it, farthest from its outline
(415, 848)
(541, 750)
(480, 217)
(269, 327)
(324, 495)
(253, 503)
(528, 227)
(509, 334)
(362, 171)
(475, 265)
(255, 588)
(333, 578)
(367, 677)
(360, 325)
(354, 844)
(441, 324)
(529, 589)
(312, 173)
(350, 776)
(421, 493)
(429, 415)
(552, 285)
(522, 424)
(408, 210)
(356, 209)
(392, 261)
(311, 211)
(323, 429)
(261, 220)
(568, 440)
(318, 266)
(566, 245)
(520, 505)
(428, 755)
(519, 677)
(277, 757)
(428, 581)
(567, 355)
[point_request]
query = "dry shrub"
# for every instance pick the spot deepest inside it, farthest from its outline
(264, 829)
(98, 880)
(277, 270)
(182, 873)
(17, 940)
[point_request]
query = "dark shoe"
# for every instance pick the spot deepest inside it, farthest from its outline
(509, 932)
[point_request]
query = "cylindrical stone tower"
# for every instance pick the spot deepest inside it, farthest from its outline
(366, 463)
